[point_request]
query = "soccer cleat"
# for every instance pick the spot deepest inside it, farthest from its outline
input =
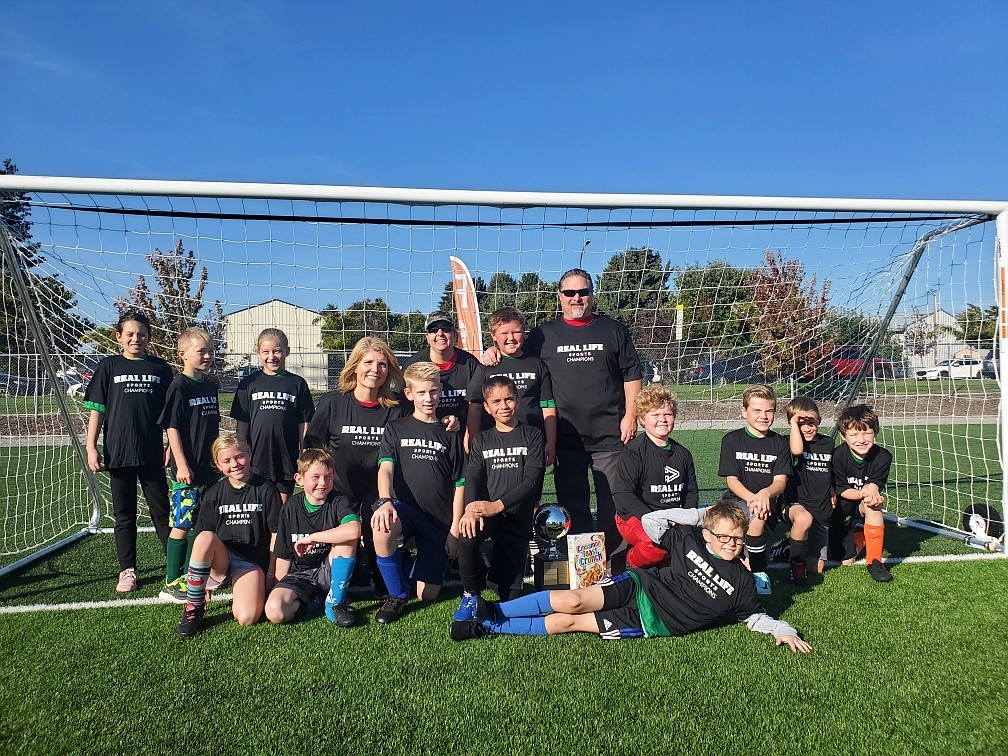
(798, 573)
(466, 609)
(127, 581)
(192, 618)
(880, 572)
(763, 587)
(341, 615)
(391, 610)
(462, 630)
(175, 591)
(486, 610)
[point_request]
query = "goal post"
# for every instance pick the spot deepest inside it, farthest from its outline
(845, 300)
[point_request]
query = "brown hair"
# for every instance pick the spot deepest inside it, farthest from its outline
(801, 405)
(859, 417)
(503, 315)
(729, 510)
(310, 456)
(273, 334)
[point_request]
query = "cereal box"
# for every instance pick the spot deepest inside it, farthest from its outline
(586, 556)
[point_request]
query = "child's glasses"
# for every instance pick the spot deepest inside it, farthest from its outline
(723, 538)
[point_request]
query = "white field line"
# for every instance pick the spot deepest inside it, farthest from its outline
(32, 608)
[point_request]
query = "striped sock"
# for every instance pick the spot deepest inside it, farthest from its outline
(757, 548)
(196, 583)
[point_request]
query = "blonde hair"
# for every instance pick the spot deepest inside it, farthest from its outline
(273, 334)
(192, 335)
(226, 441)
(421, 371)
(348, 375)
(758, 391)
(652, 397)
(727, 510)
(310, 457)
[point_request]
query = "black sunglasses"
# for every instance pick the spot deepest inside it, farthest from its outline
(571, 293)
(440, 326)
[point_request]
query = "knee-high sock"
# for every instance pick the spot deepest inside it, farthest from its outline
(874, 536)
(175, 552)
(518, 626)
(342, 569)
(196, 583)
(391, 570)
(757, 548)
(533, 605)
(798, 550)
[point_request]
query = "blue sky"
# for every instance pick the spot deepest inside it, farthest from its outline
(862, 99)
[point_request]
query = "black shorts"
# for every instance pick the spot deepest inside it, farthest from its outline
(619, 617)
(846, 518)
(307, 585)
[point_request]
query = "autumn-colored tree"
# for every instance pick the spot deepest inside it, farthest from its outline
(786, 315)
(717, 303)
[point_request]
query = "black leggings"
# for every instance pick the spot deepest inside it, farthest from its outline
(123, 486)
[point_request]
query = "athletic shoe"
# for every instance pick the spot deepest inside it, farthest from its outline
(466, 609)
(486, 610)
(175, 591)
(880, 572)
(341, 615)
(462, 630)
(391, 610)
(127, 581)
(192, 618)
(798, 573)
(763, 587)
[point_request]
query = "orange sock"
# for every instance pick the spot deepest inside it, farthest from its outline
(859, 541)
(874, 536)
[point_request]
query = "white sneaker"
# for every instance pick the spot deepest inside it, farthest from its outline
(127, 581)
(763, 584)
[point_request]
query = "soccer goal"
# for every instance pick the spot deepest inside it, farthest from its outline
(896, 303)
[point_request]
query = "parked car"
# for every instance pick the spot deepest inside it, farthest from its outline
(988, 369)
(847, 362)
(230, 379)
(959, 368)
(15, 385)
(743, 368)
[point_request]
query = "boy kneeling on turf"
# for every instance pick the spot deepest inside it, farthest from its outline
(503, 480)
(316, 545)
(653, 472)
(704, 586)
(420, 489)
(809, 494)
(860, 472)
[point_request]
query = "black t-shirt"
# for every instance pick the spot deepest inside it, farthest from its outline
(131, 394)
(697, 590)
(352, 433)
(454, 383)
(510, 467)
(754, 461)
(651, 477)
(191, 409)
(243, 518)
(589, 366)
(274, 406)
(849, 472)
(532, 379)
(812, 482)
(296, 522)
(428, 465)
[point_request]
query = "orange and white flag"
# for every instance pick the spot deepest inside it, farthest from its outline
(470, 334)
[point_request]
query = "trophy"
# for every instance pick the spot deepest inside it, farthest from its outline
(551, 524)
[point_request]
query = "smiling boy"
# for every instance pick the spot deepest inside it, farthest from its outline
(704, 586)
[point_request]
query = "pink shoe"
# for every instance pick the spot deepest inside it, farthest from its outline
(127, 581)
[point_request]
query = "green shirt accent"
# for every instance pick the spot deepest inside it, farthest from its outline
(460, 483)
(548, 404)
(193, 378)
(349, 518)
(650, 621)
(95, 406)
(386, 459)
(312, 508)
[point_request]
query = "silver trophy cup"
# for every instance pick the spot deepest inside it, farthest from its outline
(552, 522)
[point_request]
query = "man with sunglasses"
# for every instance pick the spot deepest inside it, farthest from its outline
(456, 366)
(704, 586)
(596, 378)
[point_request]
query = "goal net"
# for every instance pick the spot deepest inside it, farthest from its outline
(890, 303)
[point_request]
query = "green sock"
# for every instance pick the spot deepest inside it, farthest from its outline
(188, 551)
(176, 556)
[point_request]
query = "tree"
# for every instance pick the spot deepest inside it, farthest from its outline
(632, 281)
(51, 300)
(785, 316)
(920, 337)
(341, 329)
(531, 294)
(976, 326)
(174, 304)
(717, 306)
